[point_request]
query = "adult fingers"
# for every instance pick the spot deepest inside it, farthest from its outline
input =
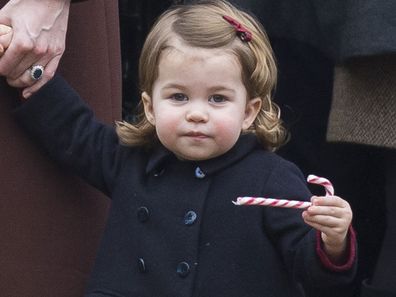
(30, 54)
(49, 73)
(10, 62)
(37, 36)
(26, 79)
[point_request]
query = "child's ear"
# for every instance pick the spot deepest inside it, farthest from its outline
(148, 108)
(253, 107)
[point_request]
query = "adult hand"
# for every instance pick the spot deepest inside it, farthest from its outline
(39, 34)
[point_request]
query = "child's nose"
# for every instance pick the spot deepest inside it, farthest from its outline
(197, 114)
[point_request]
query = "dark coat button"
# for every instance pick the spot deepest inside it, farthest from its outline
(199, 173)
(143, 214)
(190, 217)
(183, 269)
(141, 265)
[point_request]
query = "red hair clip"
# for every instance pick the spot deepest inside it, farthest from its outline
(243, 33)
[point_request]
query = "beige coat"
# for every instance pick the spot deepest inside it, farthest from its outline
(364, 102)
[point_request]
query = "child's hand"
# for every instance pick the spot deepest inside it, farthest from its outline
(332, 216)
(5, 38)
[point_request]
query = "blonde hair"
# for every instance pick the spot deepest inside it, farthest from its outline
(202, 25)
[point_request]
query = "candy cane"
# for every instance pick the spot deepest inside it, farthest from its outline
(271, 202)
(247, 200)
(313, 179)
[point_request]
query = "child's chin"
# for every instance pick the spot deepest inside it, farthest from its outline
(196, 156)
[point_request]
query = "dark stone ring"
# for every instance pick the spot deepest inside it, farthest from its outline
(36, 72)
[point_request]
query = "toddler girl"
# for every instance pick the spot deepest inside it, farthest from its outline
(205, 134)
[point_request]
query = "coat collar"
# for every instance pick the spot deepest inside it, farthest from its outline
(245, 144)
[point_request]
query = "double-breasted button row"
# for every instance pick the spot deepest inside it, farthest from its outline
(198, 172)
(182, 269)
(143, 215)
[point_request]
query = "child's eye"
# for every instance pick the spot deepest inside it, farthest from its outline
(179, 97)
(217, 99)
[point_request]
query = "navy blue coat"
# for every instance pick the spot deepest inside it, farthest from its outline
(172, 228)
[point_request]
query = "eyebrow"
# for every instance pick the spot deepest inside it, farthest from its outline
(211, 89)
(173, 86)
(221, 88)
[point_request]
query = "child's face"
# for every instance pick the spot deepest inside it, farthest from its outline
(199, 104)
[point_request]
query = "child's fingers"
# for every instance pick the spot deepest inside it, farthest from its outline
(333, 211)
(4, 29)
(332, 216)
(322, 228)
(329, 211)
(332, 227)
(329, 201)
(324, 220)
(331, 236)
(332, 221)
(335, 230)
(5, 38)
(330, 205)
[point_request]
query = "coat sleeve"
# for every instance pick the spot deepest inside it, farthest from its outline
(58, 119)
(298, 243)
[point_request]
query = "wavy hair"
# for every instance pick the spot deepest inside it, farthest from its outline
(202, 25)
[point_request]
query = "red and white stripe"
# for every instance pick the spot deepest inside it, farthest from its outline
(313, 179)
(271, 202)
